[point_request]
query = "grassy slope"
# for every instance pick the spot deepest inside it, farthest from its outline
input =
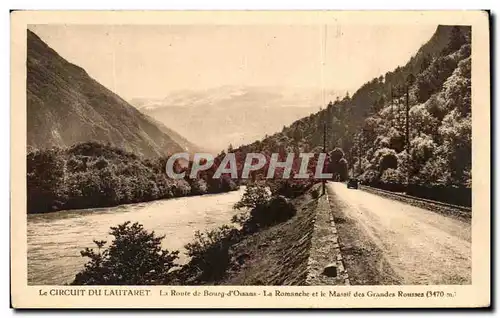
(277, 255)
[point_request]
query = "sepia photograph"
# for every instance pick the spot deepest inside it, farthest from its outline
(328, 154)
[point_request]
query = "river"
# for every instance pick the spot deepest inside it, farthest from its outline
(56, 239)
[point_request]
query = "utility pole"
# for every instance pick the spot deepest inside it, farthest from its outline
(407, 137)
(324, 151)
(409, 81)
(392, 108)
(351, 163)
(359, 158)
(407, 122)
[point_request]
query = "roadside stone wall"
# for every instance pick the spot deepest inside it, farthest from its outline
(304, 251)
(325, 263)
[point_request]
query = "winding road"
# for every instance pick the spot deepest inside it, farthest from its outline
(390, 242)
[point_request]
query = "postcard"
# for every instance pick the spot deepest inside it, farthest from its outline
(250, 159)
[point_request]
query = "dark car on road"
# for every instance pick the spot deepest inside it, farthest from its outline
(352, 183)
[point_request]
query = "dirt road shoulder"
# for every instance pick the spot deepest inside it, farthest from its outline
(363, 260)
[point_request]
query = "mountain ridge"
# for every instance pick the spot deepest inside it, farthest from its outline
(249, 112)
(369, 126)
(66, 106)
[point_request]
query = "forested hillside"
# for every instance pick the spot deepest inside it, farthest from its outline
(87, 147)
(91, 175)
(439, 120)
(370, 125)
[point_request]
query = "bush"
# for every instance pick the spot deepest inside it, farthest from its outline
(338, 165)
(210, 252)
(386, 158)
(199, 187)
(435, 172)
(255, 196)
(336, 154)
(393, 180)
(315, 193)
(262, 209)
(135, 257)
(343, 170)
(222, 184)
(290, 188)
(181, 188)
(229, 185)
(45, 174)
(369, 177)
(277, 210)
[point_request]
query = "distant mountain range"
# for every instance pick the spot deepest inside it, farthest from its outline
(233, 115)
(65, 106)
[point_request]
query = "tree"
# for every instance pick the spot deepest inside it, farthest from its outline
(426, 61)
(199, 186)
(255, 196)
(209, 252)
(338, 164)
(392, 177)
(45, 180)
(436, 106)
(369, 176)
(422, 149)
(457, 146)
(385, 158)
(396, 139)
(436, 171)
(343, 169)
(336, 154)
(431, 80)
(135, 257)
(95, 175)
(457, 88)
(457, 39)
(422, 122)
(297, 133)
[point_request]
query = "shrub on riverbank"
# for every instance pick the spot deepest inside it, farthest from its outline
(290, 188)
(256, 195)
(277, 210)
(135, 257)
(209, 252)
(91, 175)
(259, 208)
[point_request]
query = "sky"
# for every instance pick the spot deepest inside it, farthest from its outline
(146, 61)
